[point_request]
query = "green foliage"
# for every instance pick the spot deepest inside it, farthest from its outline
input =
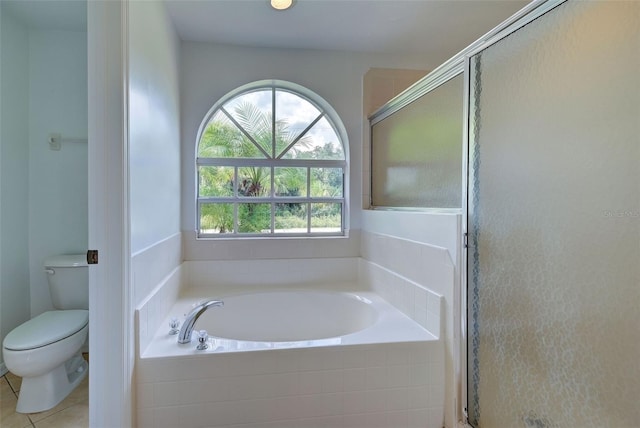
(291, 216)
(254, 181)
(326, 215)
(217, 217)
(326, 182)
(290, 181)
(254, 218)
(215, 181)
(327, 221)
(327, 151)
(223, 139)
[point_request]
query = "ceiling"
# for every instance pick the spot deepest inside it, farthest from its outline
(438, 28)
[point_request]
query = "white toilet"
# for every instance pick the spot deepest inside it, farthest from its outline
(45, 351)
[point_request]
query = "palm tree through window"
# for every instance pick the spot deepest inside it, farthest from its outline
(271, 162)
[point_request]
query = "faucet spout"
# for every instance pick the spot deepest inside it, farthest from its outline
(187, 327)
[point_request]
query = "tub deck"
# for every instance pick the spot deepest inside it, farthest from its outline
(390, 326)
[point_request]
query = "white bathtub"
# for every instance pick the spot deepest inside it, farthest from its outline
(323, 357)
(287, 318)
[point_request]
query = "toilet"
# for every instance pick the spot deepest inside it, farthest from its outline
(46, 350)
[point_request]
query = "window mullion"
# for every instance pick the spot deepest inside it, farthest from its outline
(241, 128)
(235, 182)
(273, 182)
(273, 122)
(235, 197)
(302, 163)
(284, 152)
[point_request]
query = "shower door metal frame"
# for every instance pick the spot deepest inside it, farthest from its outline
(526, 15)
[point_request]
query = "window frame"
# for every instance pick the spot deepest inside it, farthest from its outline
(273, 162)
(400, 105)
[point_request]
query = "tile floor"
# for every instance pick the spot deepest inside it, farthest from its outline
(73, 412)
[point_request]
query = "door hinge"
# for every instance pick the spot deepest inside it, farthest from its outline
(92, 257)
(466, 240)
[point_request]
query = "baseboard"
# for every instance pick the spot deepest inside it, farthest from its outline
(3, 369)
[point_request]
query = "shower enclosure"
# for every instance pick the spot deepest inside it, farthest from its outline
(554, 221)
(549, 298)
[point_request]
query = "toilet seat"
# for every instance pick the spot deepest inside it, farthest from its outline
(45, 329)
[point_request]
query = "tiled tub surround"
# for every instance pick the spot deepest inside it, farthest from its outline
(153, 265)
(365, 386)
(396, 383)
(406, 273)
(397, 270)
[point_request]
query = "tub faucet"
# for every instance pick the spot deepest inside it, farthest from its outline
(189, 322)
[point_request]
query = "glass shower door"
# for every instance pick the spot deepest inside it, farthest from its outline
(554, 222)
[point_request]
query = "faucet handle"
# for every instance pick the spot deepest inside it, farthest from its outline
(174, 324)
(203, 336)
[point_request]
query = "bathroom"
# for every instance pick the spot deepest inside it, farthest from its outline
(44, 187)
(159, 244)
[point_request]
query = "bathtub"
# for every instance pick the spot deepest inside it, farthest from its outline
(288, 318)
(291, 357)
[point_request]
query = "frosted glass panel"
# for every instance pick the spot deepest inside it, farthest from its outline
(416, 153)
(554, 222)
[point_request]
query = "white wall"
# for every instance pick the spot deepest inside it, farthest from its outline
(210, 71)
(154, 146)
(154, 125)
(58, 219)
(14, 158)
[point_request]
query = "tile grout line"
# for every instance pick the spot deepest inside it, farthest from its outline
(10, 386)
(32, 423)
(16, 395)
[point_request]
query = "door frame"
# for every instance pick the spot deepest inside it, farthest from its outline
(111, 348)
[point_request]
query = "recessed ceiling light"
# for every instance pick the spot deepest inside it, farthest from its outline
(281, 4)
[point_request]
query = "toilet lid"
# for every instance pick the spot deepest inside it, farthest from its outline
(45, 329)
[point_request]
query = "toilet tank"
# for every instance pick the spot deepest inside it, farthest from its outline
(68, 277)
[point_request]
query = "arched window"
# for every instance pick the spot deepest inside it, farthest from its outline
(271, 161)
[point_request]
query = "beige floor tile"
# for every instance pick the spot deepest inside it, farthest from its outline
(14, 381)
(8, 416)
(78, 395)
(75, 416)
(5, 388)
(75, 406)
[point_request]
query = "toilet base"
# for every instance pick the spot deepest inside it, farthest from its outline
(44, 392)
